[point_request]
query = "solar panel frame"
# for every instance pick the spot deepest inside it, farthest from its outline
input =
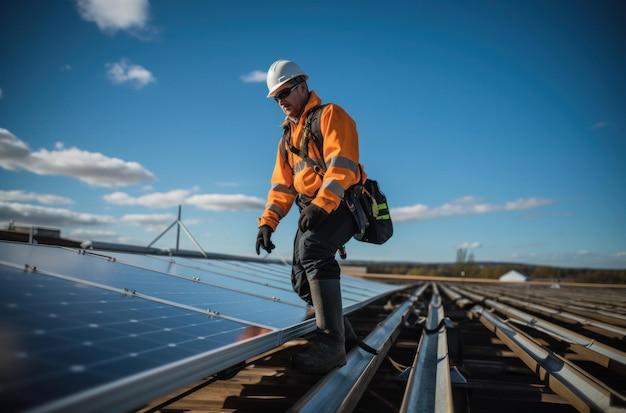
(239, 304)
(78, 341)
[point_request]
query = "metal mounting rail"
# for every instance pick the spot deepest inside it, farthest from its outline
(582, 391)
(607, 330)
(341, 389)
(429, 388)
(600, 327)
(613, 316)
(588, 348)
(456, 297)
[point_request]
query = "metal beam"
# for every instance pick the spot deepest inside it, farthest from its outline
(341, 389)
(582, 391)
(429, 388)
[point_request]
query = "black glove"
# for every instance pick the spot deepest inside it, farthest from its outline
(311, 217)
(263, 240)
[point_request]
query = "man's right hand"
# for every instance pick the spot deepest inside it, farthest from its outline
(263, 240)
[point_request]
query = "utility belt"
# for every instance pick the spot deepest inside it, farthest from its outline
(350, 199)
(303, 201)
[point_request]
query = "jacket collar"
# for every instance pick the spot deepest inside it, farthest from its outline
(313, 101)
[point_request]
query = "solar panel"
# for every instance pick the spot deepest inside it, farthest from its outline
(73, 322)
(61, 337)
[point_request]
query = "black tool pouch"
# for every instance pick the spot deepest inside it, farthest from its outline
(352, 198)
(369, 208)
(376, 209)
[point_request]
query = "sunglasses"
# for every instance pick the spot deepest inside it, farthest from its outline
(284, 94)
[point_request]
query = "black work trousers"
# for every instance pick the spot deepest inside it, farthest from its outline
(314, 251)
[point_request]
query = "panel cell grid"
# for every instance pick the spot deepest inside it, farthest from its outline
(60, 337)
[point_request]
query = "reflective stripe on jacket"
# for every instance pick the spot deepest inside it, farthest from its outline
(293, 176)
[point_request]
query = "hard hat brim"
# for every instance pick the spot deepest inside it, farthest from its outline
(278, 87)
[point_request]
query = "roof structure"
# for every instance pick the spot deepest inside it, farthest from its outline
(139, 330)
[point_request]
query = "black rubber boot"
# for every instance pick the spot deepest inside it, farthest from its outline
(328, 349)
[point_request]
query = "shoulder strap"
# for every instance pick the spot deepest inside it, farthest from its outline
(284, 142)
(313, 126)
(311, 129)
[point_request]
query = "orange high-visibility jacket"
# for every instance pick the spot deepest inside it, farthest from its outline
(293, 176)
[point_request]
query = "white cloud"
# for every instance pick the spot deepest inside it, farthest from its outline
(91, 167)
(220, 202)
(464, 206)
(23, 196)
(114, 15)
(469, 245)
(154, 200)
(212, 202)
(11, 148)
(83, 234)
(521, 204)
(256, 76)
(58, 217)
(151, 222)
(126, 72)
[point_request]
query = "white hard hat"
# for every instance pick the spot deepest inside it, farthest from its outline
(281, 72)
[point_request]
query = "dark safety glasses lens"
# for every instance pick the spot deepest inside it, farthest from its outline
(284, 94)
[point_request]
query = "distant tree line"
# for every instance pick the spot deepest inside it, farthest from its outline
(465, 266)
(490, 270)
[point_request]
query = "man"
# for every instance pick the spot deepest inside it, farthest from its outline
(317, 185)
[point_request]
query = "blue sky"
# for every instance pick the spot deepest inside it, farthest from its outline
(497, 126)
